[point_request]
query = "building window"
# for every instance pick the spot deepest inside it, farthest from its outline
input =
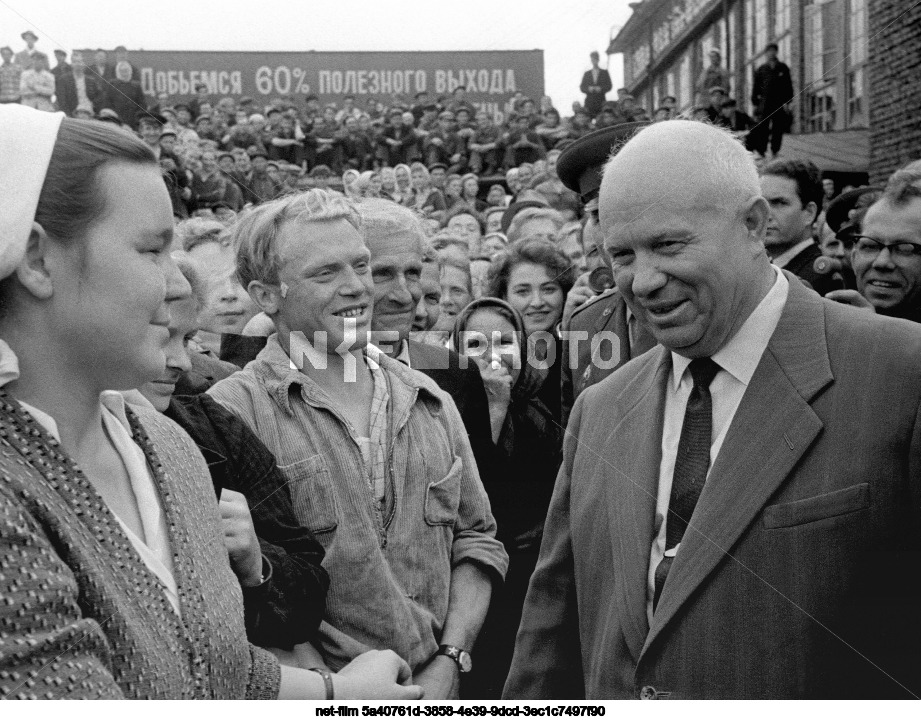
(761, 25)
(686, 82)
(856, 54)
(856, 110)
(823, 37)
(820, 109)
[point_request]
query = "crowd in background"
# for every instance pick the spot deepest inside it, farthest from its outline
(513, 258)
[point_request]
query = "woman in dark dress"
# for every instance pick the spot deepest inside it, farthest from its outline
(528, 454)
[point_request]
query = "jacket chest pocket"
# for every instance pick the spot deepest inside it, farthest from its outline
(442, 498)
(818, 508)
(312, 494)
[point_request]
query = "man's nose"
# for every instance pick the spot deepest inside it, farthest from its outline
(647, 278)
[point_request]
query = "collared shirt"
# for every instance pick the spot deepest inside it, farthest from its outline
(154, 548)
(790, 253)
(80, 83)
(737, 360)
(403, 355)
(389, 570)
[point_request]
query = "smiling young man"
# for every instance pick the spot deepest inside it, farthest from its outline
(380, 467)
(887, 253)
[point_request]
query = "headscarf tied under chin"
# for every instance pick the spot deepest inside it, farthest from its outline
(27, 140)
(531, 378)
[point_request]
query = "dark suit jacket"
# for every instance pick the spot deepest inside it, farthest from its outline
(607, 313)
(797, 575)
(65, 88)
(802, 266)
(594, 100)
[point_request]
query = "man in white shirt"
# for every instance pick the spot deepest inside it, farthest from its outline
(738, 509)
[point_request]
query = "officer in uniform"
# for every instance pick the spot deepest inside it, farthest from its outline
(588, 356)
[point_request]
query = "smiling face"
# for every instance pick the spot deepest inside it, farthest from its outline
(396, 268)
(890, 282)
(488, 337)
(686, 248)
(534, 293)
(108, 308)
(327, 270)
(227, 307)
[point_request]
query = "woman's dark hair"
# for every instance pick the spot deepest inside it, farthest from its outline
(71, 199)
(529, 250)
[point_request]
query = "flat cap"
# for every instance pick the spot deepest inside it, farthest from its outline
(580, 165)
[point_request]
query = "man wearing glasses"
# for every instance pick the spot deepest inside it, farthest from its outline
(887, 254)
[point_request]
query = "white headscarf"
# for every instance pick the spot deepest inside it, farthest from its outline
(27, 138)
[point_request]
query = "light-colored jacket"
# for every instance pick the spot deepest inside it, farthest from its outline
(36, 88)
(390, 571)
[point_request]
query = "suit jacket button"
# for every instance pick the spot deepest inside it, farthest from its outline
(647, 693)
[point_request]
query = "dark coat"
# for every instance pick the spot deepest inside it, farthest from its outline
(125, 98)
(772, 88)
(607, 312)
(595, 92)
(288, 607)
(65, 89)
(802, 265)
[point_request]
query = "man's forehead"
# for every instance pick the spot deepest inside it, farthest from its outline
(308, 242)
(886, 221)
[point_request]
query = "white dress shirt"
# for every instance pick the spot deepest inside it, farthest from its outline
(737, 360)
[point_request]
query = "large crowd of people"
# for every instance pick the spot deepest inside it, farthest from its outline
(292, 406)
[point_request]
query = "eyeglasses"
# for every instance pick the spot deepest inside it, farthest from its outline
(871, 247)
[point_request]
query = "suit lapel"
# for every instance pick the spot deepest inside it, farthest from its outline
(772, 428)
(631, 498)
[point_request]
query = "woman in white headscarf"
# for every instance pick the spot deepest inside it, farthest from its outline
(113, 576)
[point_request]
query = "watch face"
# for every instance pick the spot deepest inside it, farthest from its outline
(465, 662)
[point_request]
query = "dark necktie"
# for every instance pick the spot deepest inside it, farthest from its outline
(691, 464)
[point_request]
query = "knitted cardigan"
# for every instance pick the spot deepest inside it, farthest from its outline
(80, 614)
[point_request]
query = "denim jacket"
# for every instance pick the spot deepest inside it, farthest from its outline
(390, 571)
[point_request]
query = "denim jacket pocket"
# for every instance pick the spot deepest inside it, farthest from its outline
(442, 498)
(312, 494)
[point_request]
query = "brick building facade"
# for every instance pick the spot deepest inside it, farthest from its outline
(895, 85)
(827, 44)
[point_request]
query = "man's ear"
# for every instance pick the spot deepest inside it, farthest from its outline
(32, 270)
(267, 297)
(756, 218)
(812, 210)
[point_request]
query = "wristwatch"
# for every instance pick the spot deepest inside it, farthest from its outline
(458, 655)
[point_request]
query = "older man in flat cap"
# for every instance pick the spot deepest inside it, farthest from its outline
(602, 334)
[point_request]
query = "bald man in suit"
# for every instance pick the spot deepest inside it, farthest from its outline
(737, 514)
